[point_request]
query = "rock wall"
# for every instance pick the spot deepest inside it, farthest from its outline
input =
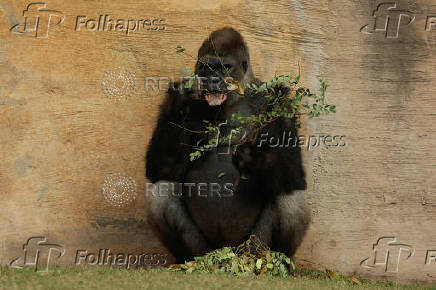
(77, 109)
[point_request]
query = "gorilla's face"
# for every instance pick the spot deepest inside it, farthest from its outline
(223, 61)
(215, 72)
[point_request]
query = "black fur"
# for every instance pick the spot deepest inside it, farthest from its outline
(268, 198)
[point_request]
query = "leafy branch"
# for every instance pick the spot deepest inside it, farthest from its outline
(284, 97)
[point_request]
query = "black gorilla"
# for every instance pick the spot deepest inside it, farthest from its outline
(255, 190)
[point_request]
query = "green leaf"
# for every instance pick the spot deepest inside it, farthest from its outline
(259, 264)
(180, 49)
(293, 265)
(189, 83)
(288, 260)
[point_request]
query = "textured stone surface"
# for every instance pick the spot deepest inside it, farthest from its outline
(75, 108)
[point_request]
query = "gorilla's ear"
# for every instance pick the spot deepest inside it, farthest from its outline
(245, 66)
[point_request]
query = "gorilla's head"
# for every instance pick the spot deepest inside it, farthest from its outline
(222, 55)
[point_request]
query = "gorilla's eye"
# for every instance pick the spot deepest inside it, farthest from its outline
(244, 66)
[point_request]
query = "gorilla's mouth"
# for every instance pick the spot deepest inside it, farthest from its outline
(216, 93)
(215, 99)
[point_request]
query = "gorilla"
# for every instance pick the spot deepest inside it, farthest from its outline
(223, 197)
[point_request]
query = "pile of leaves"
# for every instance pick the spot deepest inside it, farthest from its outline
(250, 258)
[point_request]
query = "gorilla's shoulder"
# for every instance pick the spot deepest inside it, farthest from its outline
(259, 98)
(175, 97)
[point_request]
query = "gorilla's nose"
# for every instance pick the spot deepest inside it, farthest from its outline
(215, 84)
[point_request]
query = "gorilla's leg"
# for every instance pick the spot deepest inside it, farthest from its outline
(284, 222)
(264, 225)
(173, 223)
(294, 217)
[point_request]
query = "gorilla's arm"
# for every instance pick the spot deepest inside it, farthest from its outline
(167, 158)
(278, 168)
(283, 165)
